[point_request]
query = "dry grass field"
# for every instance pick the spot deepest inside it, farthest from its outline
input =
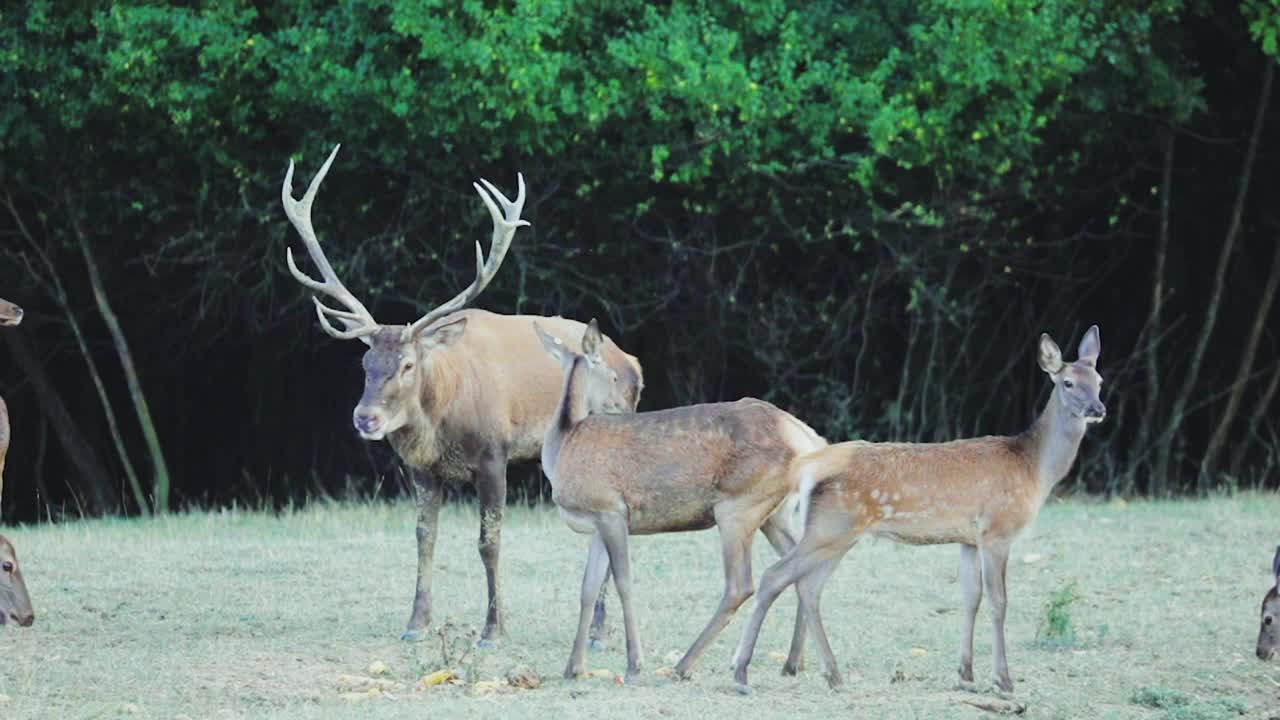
(258, 615)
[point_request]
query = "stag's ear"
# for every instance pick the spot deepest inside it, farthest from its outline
(1050, 355)
(553, 344)
(442, 336)
(1090, 346)
(592, 341)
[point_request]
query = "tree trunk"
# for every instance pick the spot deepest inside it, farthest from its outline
(1221, 432)
(1178, 412)
(59, 293)
(1157, 485)
(1259, 412)
(88, 465)
(160, 484)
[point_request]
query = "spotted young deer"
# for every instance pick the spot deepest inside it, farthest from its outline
(15, 603)
(687, 468)
(1269, 630)
(457, 393)
(979, 492)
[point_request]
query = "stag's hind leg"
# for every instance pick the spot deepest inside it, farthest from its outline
(427, 492)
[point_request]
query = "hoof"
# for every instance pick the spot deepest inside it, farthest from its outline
(1005, 685)
(595, 645)
(966, 675)
(630, 677)
(789, 670)
(486, 644)
(743, 688)
(414, 635)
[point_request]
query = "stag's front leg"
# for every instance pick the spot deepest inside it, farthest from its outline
(428, 493)
(995, 560)
(491, 488)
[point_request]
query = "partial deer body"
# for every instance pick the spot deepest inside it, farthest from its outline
(1269, 630)
(689, 468)
(980, 493)
(458, 393)
(15, 603)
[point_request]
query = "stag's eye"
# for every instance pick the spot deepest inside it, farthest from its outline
(8, 567)
(1068, 384)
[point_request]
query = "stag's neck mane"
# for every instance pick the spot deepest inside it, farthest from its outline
(1052, 442)
(571, 410)
(432, 431)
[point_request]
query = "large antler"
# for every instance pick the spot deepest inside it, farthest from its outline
(356, 317)
(505, 224)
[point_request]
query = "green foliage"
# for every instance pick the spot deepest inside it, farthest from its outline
(1264, 24)
(1056, 629)
(1179, 706)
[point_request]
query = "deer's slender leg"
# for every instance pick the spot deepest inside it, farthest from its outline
(491, 489)
(781, 575)
(736, 534)
(995, 558)
(971, 583)
(778, 531)
(427, 492)
(592, 583)
(599, 630)
(810, 588)
(612, 527)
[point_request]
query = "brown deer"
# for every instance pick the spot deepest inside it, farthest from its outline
(15, 603)
(458, 392)
(1269, 630)
(687, 468)
(979, 492)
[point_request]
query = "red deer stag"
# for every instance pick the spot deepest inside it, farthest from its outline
(15, 603)
(458, 393)
(688, 468)
(1269, 630)
(979, 492)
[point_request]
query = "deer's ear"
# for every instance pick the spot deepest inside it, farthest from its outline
(1050, 355)
(441, 336)
(1275, 565)
(1090, 346)
(592, 341)
(553, 344)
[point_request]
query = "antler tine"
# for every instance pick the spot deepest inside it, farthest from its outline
(357, 318)
(505, 223)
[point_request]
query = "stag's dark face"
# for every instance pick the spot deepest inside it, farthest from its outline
(10, 314)
(395, 369)
(15, 603)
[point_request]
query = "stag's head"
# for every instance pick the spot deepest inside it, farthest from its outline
(399, 357)
(10, 314)
(594, 383)
(1078, 383)
(1269, 632)
(15, 603)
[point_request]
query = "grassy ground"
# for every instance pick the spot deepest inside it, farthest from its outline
(249, 615)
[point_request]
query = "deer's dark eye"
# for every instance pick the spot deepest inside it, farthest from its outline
(1068, 384)
(8, 567)
(1265, 621)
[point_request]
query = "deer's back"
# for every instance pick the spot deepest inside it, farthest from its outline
(668, 469)
(926, 493)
